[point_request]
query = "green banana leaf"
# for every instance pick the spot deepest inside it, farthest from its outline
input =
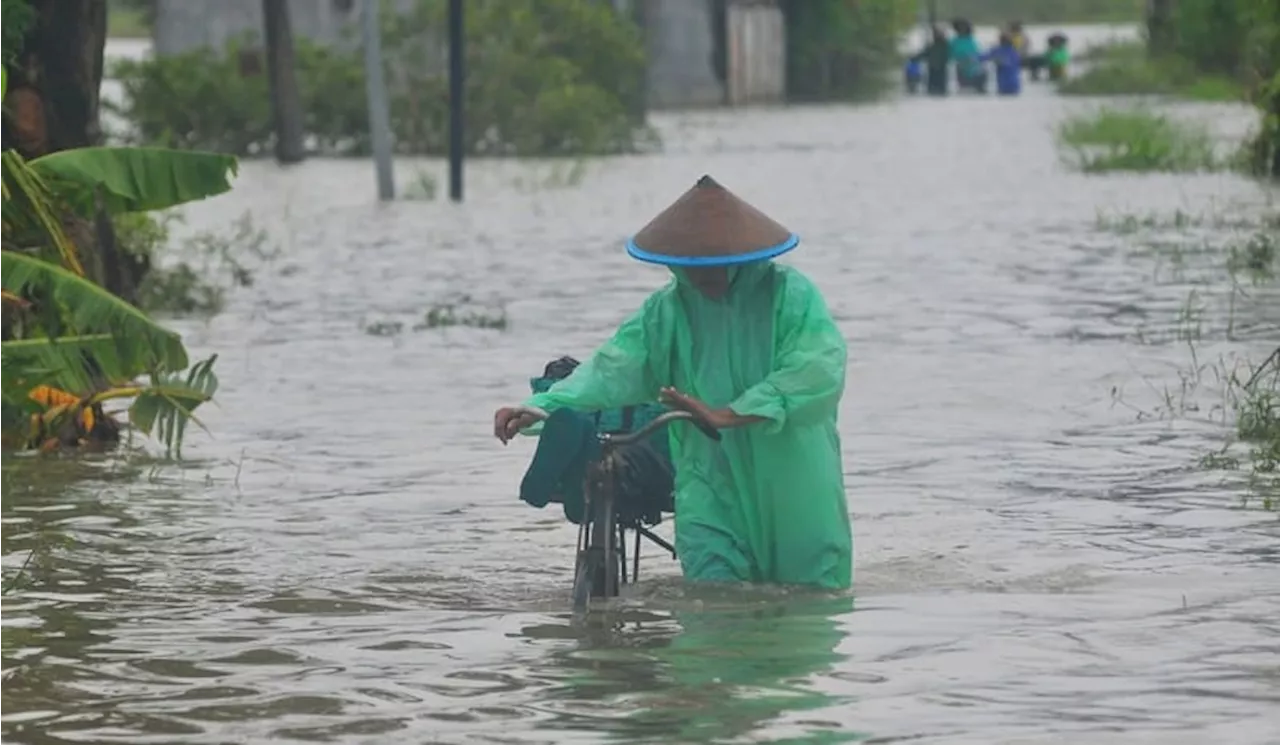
(138, 179)
(76, 364)
(169, 403)
(86, 308)
(30, 212)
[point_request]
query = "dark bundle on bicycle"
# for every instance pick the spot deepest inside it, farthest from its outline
(612, 472)
(569, 446)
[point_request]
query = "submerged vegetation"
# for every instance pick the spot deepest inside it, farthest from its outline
(193, 277)
(545, 78)
(1207, 50)
(998, 12)
(1128, 69)
(562, 77)
(1237, 253)
(1246, 265)
(1136, 139)
(462, 310)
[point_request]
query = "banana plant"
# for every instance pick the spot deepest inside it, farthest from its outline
(162, 407)
(54, 385)
(70, 346)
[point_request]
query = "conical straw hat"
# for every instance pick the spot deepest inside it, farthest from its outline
(709, 226)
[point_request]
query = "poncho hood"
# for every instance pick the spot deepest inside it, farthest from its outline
(710, 226)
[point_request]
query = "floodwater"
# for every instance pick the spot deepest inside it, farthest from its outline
(343, 558)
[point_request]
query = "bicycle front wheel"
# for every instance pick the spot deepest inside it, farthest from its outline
(599, 559)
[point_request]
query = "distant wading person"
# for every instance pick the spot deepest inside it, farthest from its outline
(936, 57)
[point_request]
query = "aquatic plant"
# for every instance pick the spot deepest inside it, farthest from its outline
(209, 264)
(463, 313)
(1135, 139)
(1247, 262)
(461, 310)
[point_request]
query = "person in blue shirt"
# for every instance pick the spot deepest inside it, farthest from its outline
(914, 75)
(568, 443)
(1008, 66)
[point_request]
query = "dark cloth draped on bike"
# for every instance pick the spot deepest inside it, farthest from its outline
(767, 503)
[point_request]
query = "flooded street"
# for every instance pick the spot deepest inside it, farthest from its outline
(344, 558)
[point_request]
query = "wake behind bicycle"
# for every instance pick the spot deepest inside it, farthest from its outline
(600, 567)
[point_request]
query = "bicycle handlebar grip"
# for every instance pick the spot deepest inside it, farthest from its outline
(706, 429)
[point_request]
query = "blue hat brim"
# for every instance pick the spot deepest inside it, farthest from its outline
(762, 254)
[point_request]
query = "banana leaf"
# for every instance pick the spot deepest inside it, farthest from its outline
(78, 364)
(86, 308)
(31, 211)
(138, 179)
(169, 402)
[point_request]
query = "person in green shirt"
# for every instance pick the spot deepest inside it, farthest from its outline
(1058, 57)
(967, 56)
(749, 346)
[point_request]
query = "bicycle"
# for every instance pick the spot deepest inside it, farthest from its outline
(600, 568)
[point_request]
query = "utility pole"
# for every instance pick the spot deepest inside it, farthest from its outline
(376, 95)
(286, 102)
(457, 76)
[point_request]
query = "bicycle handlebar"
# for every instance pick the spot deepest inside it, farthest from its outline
(661, 420)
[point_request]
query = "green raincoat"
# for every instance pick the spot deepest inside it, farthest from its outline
(767, 503)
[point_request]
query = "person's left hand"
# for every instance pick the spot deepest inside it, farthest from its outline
(717, 418)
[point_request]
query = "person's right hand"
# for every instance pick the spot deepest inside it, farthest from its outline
(508, 421)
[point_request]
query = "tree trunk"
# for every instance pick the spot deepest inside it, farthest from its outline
(58, 74)
(286, 103)
(1161, 33)
(53, 102)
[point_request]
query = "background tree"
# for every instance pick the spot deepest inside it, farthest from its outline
(54, 72)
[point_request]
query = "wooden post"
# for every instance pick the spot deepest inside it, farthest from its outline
(457, 96)
(379, 109)
(286, 102)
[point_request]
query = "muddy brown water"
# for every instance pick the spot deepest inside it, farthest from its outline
(344, 559)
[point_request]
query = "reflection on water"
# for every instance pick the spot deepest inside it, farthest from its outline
(345, 559)
(702, 673)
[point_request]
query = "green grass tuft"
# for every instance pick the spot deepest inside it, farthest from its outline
(1126, 69)
(1135, 139)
